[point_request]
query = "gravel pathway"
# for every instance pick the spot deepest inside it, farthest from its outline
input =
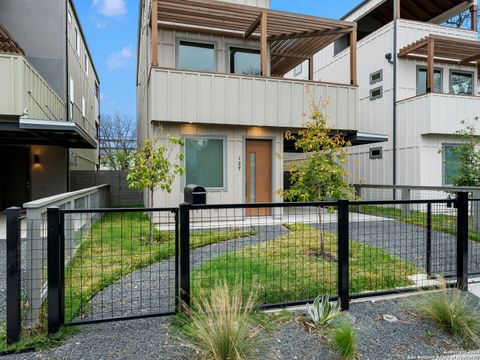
(152, 289)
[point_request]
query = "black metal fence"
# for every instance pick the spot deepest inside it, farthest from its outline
(115, 264)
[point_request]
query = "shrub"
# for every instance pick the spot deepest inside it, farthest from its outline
(322, 312)
(220, 325)
(344, 339)
(452, 312)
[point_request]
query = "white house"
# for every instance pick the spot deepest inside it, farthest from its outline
(417, 80)
(212, 72)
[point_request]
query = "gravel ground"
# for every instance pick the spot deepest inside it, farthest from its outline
(154, 338)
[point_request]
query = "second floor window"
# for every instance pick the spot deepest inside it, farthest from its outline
(451, 164)
(196, 56)
(244, 61)
(461, 83)
(422, 81)
(77, 41)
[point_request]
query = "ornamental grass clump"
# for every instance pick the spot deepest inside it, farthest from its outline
(452, 311)
(220, 326)
(344, 339)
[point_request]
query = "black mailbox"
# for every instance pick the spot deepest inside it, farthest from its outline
(195, 195)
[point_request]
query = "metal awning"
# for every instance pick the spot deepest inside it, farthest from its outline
(27, 131)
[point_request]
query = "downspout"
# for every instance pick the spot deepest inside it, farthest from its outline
(67, 89)
(396, 15)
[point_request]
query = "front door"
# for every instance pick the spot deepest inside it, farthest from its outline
(258, 175)
(15, 179)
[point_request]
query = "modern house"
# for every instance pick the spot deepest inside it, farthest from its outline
(212, 72)
(49, 100)
(418, 79)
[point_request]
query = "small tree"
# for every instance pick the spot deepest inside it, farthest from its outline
(153, 167)
(321, 175)
(468, 155)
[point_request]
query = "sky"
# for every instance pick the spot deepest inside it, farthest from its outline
(111, 30)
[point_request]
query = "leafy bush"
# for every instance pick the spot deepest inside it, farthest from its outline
(452, 312)
(220, 325)
(344, 339)
(322, 312)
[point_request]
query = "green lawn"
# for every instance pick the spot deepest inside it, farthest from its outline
(119, 244)
(440, 222)
(291, 268)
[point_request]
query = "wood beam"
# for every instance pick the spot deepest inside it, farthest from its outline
(264, 43)
(474, 17)
(430, 65)
(398, 9)
(311, 69)
(409, 49)
(353, 57)
(154, 30)
(254, 26)
(470, 59)
(307, 34)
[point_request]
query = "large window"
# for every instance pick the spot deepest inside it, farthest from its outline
(461, 83)
(196, 56)
(244, 61)
(451, 164)
(422, 81)
(205, 162)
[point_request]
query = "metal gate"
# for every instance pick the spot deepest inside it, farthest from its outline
(111, 264)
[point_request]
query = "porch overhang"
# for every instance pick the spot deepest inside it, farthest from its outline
(43, 132)
(289, 38)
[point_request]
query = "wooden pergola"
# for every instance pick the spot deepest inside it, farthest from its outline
(442, 49)
(288, 38)
(8, 43)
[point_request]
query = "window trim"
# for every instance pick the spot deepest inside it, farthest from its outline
(71, 97)
(85, 63)
(199, 43)
(300, 66)
(77, 41)
(207, 137)
(376, 157)
(230, 58)
(423, 67)
(444, 145)
(373, 98)
(375, 73)
(464, 72)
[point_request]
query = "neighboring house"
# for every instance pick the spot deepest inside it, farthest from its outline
(422, 104)
(212, 73)
(49, 107)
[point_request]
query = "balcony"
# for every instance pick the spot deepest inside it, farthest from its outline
(215, 98)
(34, 113)
(438, 113)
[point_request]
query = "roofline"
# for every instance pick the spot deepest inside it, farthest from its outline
(72, 4)
(359, 6)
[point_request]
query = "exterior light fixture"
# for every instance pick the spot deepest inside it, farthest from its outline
(36, 159)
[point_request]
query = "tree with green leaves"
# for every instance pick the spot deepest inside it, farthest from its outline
(154, 167)
(321, 174)
(468, 154)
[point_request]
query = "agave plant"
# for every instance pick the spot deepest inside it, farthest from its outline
(322, 312)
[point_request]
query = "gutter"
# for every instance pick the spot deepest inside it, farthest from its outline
(67, 90)
(395, 67)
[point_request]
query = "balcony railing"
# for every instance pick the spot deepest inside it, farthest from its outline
(439, 113)
(216, 98)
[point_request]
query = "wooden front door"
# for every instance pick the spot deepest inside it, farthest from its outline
(258, 175)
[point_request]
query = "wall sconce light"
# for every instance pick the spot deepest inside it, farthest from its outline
(36, 159)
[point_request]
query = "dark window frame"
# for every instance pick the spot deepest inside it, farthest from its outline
(436, 69)
(200, 44)
(463, 72)
(376, 157)
(233, 49)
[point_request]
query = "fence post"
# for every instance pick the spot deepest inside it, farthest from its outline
(405, 208)
(343, 255)
(476, 210)
(14, 287)
(462, 241)
(184, 263)
(54, 267)
(429, 240)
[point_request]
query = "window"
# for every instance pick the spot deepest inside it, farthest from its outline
(376, 153)
(205, 162)
(376, 93)
(461, 83)
(376, 77)
(196, 56)
(244, 61)
(71, 96)
(77, 41)
(85, 63)
(83, 106)
(298, 70)
(422, 81)
(451, 164)
(69, 17)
